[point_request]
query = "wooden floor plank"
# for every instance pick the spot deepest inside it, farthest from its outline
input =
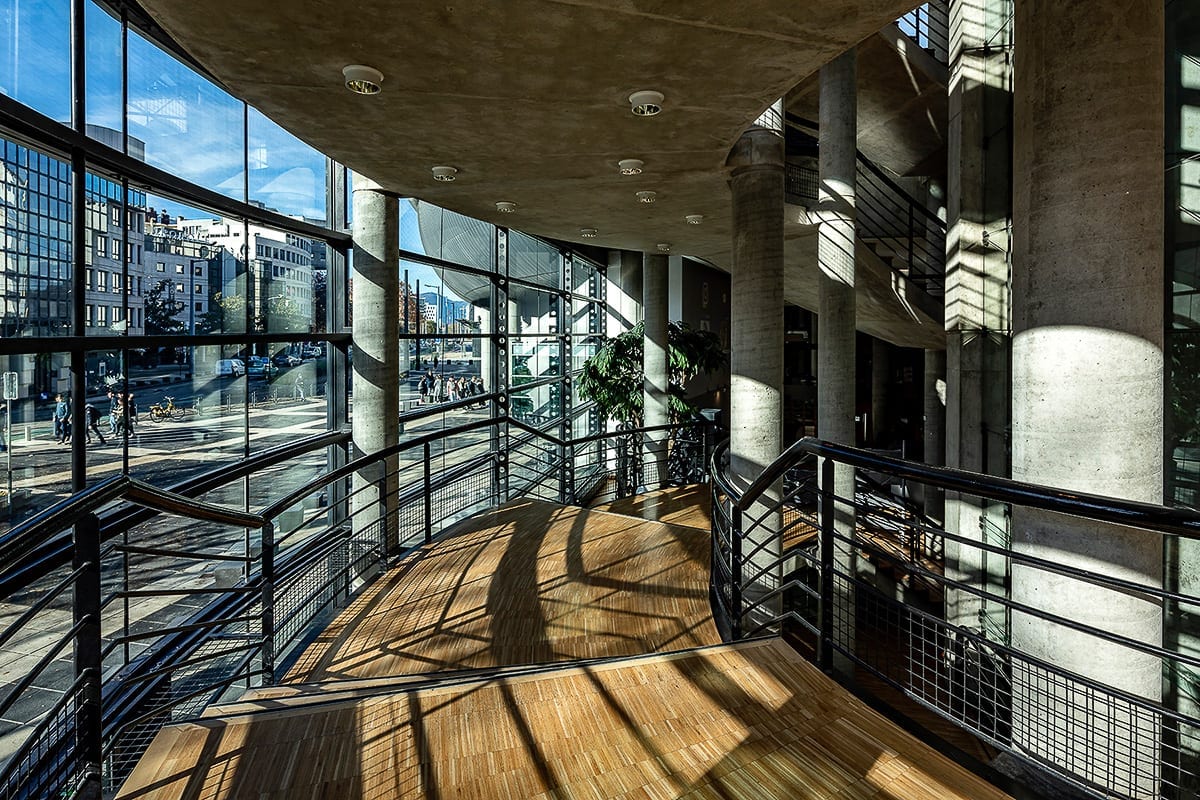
(719, 722)
(536, 582)
(530, 582)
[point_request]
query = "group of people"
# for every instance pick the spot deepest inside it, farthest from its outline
(435, 388)
(122, 416)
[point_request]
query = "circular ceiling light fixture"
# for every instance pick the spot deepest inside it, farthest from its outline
(631, 166)
(505, 207)
(588, 233)
(664, 247)
(444, 174)
(646, 102)
(694, 219)
(647, 197)
(362, 79)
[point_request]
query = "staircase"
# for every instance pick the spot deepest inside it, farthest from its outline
(539, 650)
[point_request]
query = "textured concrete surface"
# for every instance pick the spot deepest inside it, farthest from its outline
(1088, 330)
(376, 356)
(655, 366)
(528, 98)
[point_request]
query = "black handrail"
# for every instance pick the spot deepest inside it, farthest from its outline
(1107, 509)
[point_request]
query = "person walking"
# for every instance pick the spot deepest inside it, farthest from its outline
(91, 422)
(423, 388)
(62, 411)
(438, 395)
(114, 407)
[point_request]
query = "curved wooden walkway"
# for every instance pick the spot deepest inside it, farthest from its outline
(380, 708)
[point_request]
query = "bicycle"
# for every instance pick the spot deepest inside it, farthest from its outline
(165, 410)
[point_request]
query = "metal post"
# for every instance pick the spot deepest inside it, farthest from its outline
(735, 570)
(268, 603)
(88, 663)
(826, 499)
(8, 448)
(428, 498)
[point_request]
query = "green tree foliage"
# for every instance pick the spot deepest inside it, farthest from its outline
(613, 377)
(162, 309)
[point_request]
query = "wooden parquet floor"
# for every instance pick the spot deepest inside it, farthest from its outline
(750, 721)
(683, 505)
(535, 583)
(527, 583)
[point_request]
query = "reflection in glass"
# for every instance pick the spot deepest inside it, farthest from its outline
(285, 174)
(188, 126)
(35, 55)
(104, 80)
(35, 250)
(35, 459)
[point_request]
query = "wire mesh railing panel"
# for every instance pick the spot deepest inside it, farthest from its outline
(1020, 645)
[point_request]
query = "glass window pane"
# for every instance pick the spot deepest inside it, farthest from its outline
(285, 174)
(280, 281)
(183, 123)
(533, 260)
(38, 466)
(35, 55)
(103, 64)
(35, 248)
(433, 231)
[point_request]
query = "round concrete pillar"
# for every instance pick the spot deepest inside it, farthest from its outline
(655, 367)
(756, 357)
(836, 317)
(376, 378)
(1087, 403)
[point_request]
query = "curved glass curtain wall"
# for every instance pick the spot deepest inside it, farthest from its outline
(176, 247)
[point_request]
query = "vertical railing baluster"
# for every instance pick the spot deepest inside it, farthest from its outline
(88, 664)
(827, 497)
(428, 497)
(735, 568)
(268, 603)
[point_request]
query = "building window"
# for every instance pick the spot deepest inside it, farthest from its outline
(160, 267)
(101, 281)
(116, 249)
(179, 288)
(179, 269)
(102, 246)
(101, 316)
(87, 279)
(197, 269)
(198, 289)
(87, 315)
(116, 282)
(116, 215)
(200, 307)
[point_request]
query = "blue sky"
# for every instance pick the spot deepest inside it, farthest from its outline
(187, 125)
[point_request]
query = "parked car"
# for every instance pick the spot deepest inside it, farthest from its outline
(259, 367)
(283, 360)
(229, 367)
(313, 351)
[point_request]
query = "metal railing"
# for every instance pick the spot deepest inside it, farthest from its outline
(929, 26)
(906, 235)
(964, 661)
(138, 642)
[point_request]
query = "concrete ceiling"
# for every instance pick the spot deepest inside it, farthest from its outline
(902, 105)
(528, 98)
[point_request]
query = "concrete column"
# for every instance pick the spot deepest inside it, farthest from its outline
(756, 358)
(624, 290)
(655, 368)
(1088, 331)
(935, 429)
(978, 325)
(836, 311)
(376, 422)
(880, 378)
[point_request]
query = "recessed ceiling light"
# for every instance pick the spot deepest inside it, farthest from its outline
(664, 247)
(444, 174)
(694, 219)
(505, 207)
(631, 166)
(588, 233)
(361, 79)
(646, 102)
(647, 197)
